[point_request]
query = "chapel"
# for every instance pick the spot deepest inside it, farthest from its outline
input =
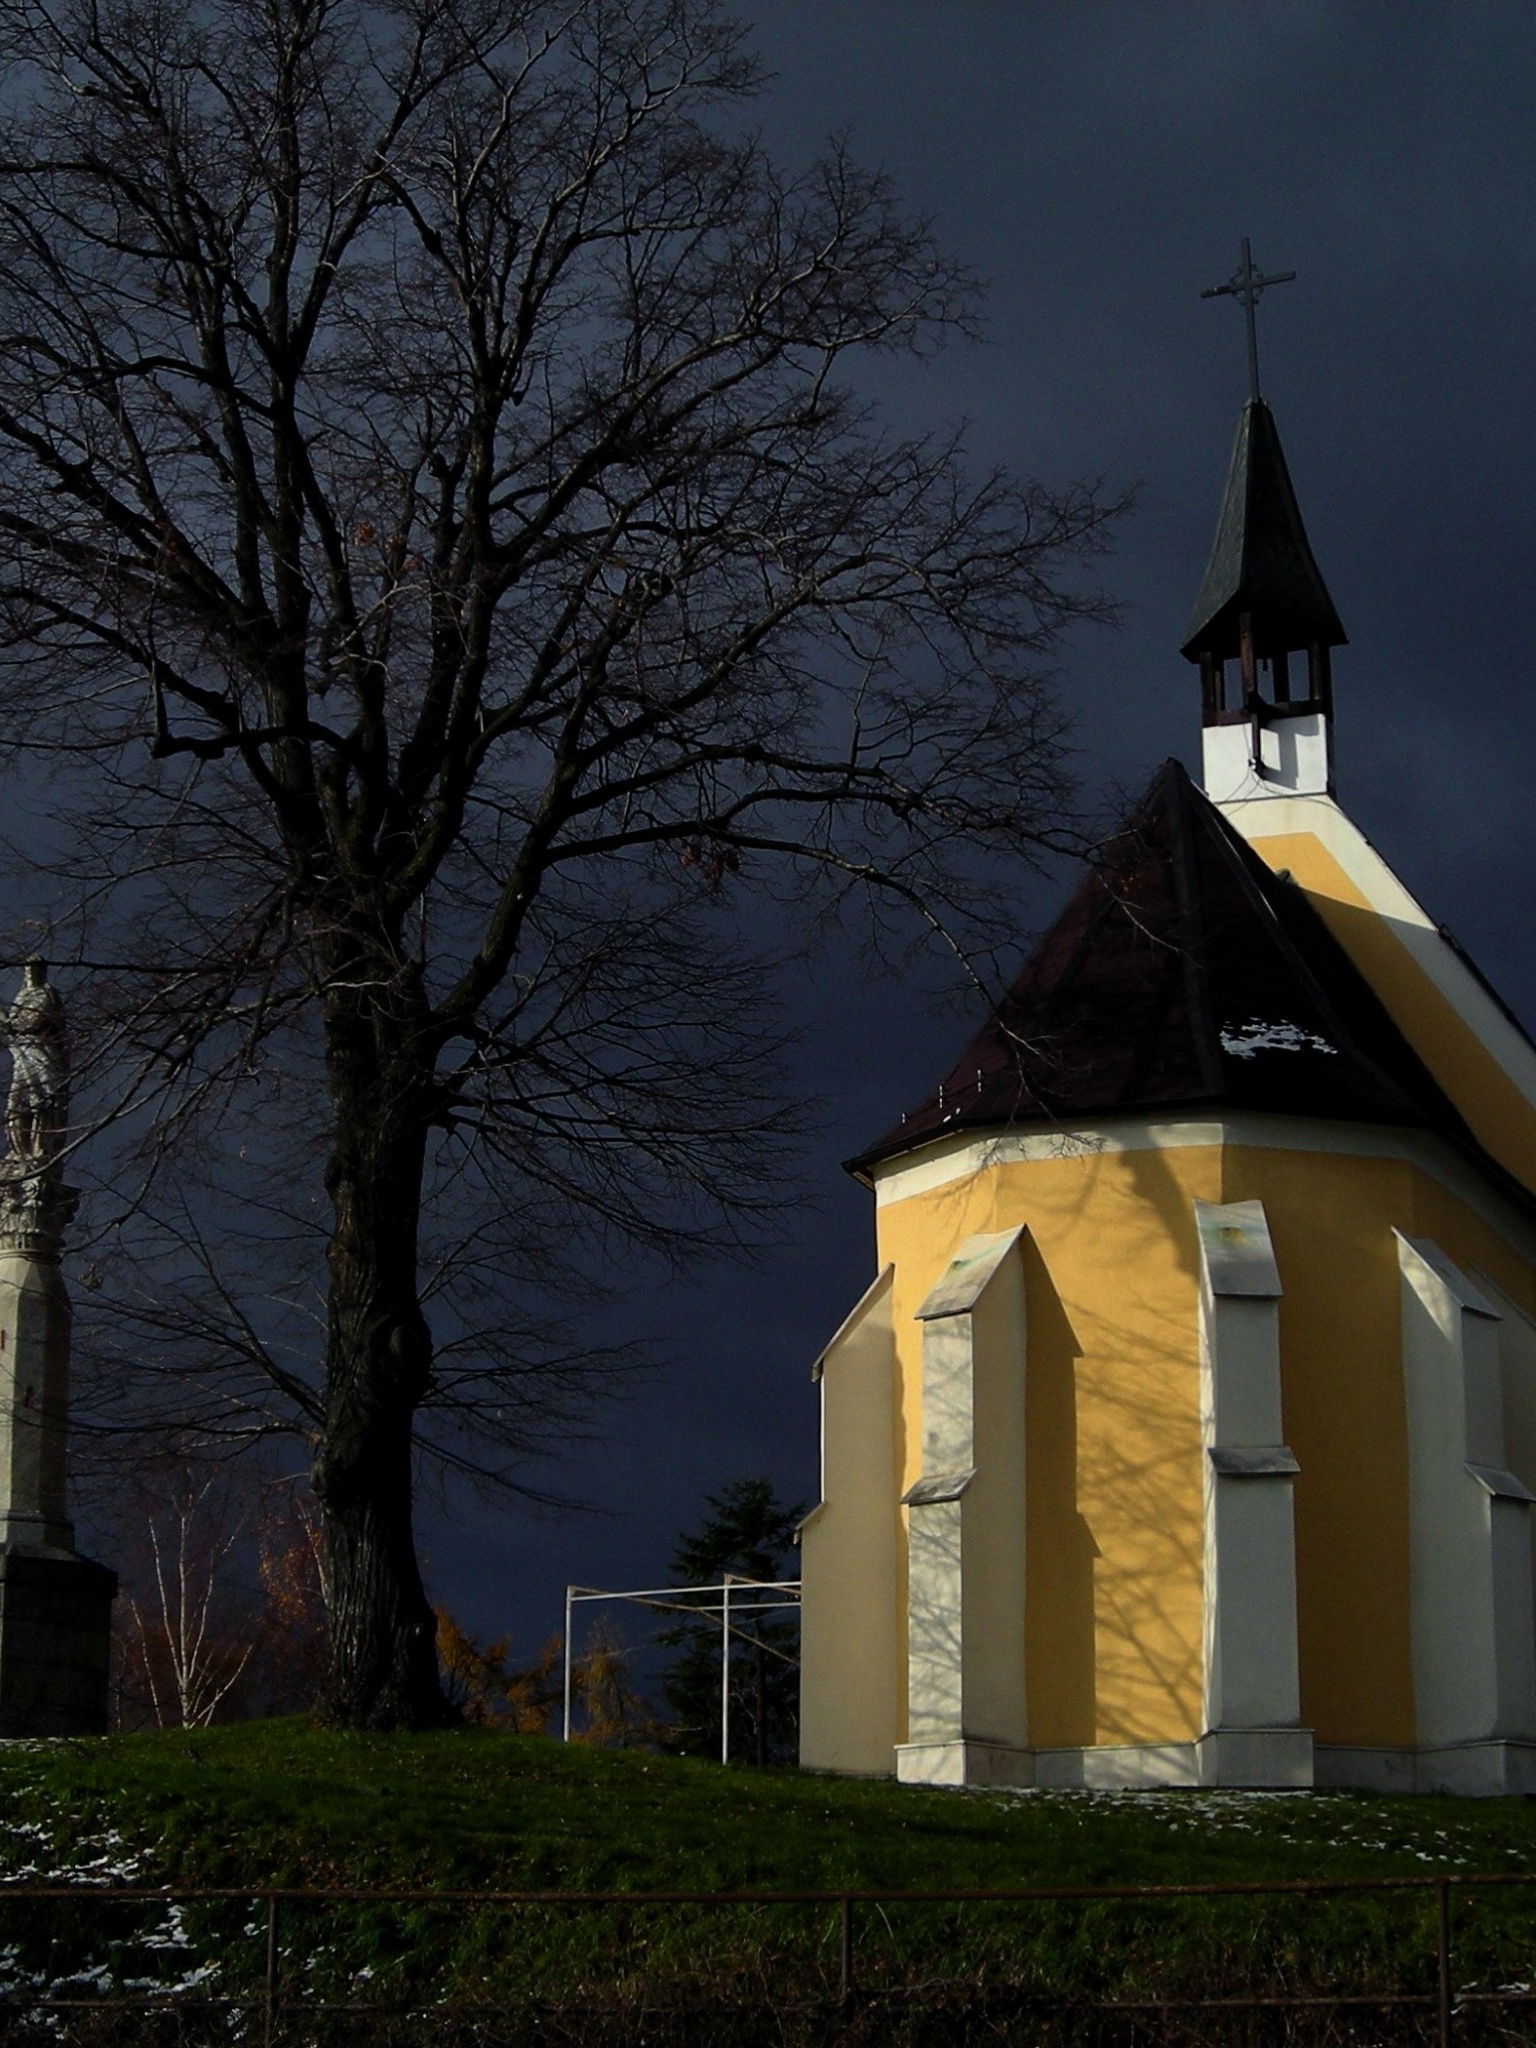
(1187, 1432)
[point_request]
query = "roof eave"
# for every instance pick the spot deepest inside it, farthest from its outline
(863, 1167)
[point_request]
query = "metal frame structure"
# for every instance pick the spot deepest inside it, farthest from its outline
(694, 1600)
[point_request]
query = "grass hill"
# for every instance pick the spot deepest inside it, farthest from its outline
(282, 1803)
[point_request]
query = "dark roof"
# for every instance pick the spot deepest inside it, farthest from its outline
(1183, 974)
(1261, 562)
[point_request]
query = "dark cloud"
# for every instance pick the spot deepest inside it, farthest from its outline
(1098, 164)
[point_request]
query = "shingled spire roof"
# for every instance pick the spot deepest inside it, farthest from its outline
(1262, 563)
(1185, 974)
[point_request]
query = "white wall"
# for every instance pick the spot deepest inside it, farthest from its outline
(1295, 755)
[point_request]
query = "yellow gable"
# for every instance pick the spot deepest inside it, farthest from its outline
(1480, 1057)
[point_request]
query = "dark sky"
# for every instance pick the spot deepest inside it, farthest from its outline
(1099, 164)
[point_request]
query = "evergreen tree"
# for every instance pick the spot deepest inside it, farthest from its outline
(748, 1531)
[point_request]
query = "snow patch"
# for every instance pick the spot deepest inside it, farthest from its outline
(158, 1961)
(1244, 1040)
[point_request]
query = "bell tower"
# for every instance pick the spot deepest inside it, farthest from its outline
(1264, 625)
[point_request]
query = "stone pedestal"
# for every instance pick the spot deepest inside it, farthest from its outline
(55, 1606)
(55, 1635)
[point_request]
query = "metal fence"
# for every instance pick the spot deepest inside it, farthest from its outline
(271, 2002)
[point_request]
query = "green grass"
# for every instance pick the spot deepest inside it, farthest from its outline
(280, 1802)
(283, 1803)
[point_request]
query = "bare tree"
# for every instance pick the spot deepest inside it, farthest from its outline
(220, 1615)
(188, 1634)
(449, 579)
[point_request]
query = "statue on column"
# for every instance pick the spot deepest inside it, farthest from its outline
(55, 1606)
(35, 1205)
(38, 1106)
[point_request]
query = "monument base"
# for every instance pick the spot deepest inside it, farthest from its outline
(55, 1636)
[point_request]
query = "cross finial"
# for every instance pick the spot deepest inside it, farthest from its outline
(1247, 286)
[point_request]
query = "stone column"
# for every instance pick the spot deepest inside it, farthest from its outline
(55, 1606)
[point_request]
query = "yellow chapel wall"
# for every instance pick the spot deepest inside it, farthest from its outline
(1114, 1569)
(1330, 1220)
(1331, 1217)
(1113, 1650)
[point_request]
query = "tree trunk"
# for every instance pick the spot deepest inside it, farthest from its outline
(382, 1665)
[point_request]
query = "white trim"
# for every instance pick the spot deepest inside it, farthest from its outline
(942, 1161)
(1278, 1760)
(1355, 1767)
(964, 1762)
(1255, 1758)
(1270, 1461)
(965, 1514)
(881, 1279)
(947, 1160)
(1451, 1278)
(1273, 1758)
(965, 1279)
(932, 1492)
(1474, 1658)
(1504, 1305)
(1276, 816)
(1252, 1692)
(1478, 1770)
(1500, 1484)
(1118, 1767)
(1236, 1251)
(1474, 1770)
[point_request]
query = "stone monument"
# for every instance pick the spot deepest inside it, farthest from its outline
(55, 1606)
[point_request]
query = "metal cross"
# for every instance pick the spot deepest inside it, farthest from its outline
(1247, 286)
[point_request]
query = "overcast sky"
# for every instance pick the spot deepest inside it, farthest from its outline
(1098, 161)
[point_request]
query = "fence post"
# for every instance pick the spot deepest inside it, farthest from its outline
(1443, 1956)
(725, 1667)
(565, 1719)
(270, 2001)
(845, 1971)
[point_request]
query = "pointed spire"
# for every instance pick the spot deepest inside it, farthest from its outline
(1262, 568)
(1268, 723)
